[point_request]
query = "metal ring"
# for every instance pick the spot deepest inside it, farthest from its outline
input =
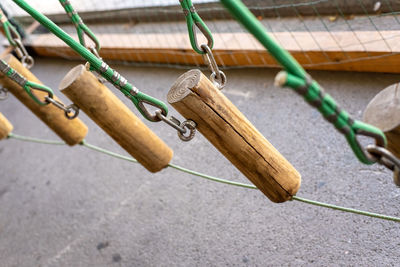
(218, 83)
(74, 109)
(191, 126)
(27, 61)
(3, 93)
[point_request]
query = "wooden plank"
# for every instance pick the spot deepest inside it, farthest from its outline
(368, 51)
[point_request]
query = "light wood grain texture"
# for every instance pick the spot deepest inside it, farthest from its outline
(196, 98)
(117, 120)
(71, 131)
(383, 111)
(5, 127)
(367, 51)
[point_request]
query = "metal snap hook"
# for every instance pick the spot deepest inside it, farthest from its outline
(74, 109)
(191, 126)
(387, 159)
(3, 93)
(217, 77)
(27, 61)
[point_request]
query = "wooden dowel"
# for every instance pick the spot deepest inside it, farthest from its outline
(71, 131)
(5, 127)
(383, 111)
(195, 97)
(116, 119)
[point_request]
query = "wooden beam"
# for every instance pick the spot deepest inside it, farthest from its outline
(366, 51)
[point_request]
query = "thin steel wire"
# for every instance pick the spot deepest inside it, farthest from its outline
(209, 177)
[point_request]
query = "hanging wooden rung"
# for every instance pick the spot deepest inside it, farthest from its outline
(116, 119)
(71, 131)
(383, 111)
(196, 98)
(5, 127)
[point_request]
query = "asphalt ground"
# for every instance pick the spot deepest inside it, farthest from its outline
(62, 206)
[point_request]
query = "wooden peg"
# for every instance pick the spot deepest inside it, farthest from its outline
(71, 131)
(383, 111)
(196, 98)
(5, 127)
(116, 119)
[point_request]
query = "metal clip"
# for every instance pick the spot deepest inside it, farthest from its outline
(26, 60)
(387, 159)
(217, 77)
(183, 128)
(71, 111)
(3, 93)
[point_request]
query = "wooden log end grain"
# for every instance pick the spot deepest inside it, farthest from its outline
(116, 119)
(383, 111)
(71, 131)
(5, 127)
(196, 98)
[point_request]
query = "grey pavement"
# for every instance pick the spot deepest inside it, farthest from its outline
(62, 206)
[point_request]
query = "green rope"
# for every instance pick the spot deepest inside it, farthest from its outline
(34, 140)
(138, 98)
(81, 27)
(9, 29)
(300, 81)
(107, 152)
(350, 210)
(211, 178)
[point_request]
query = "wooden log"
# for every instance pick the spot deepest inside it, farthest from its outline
(117, 120)
(383, 111)
(5, 127)
(195, 97)
(71, 131)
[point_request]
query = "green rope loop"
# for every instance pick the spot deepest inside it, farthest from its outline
(29, 86)
(193, 20)
(9, 30)
(80, 26)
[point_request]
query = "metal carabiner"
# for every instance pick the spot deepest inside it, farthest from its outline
(3, 93)
(67, 109)
(26, 60)
(186, 130)
(193, 20)
(387, 159)
(217, 77)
